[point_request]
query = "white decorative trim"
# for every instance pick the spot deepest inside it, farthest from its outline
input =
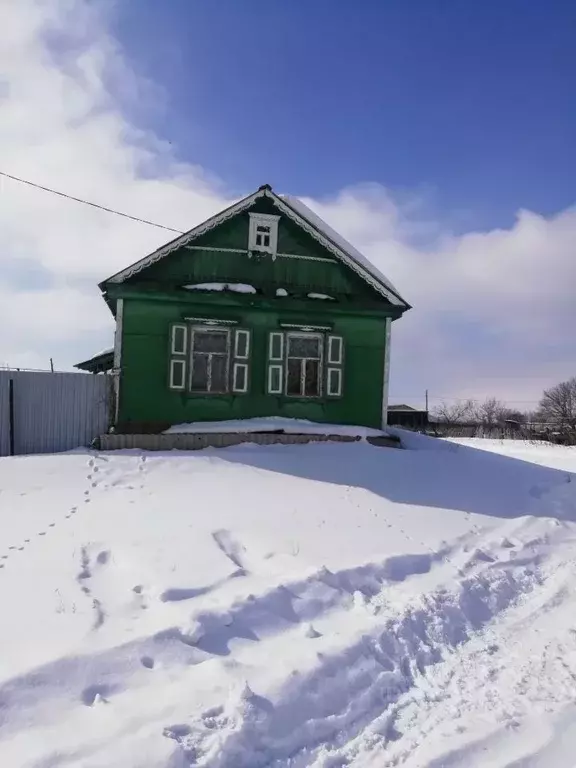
(184, 329)
(386, 382)
(211, 321)
(237, 335)
(278, 391)
(338, 392)
(237, 208)
(333, 248)
(301, 327)
(118, 334)
(235, 369)
(215, 249)
(173, 364)
(271, 336)
(118, 355)
(332, 340)
(303, 257)
(184, 239)
(263, 220)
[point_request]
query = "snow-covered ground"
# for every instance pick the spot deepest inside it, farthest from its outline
(322, 605)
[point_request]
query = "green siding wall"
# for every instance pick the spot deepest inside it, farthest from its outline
(146, 400)
(297, 275)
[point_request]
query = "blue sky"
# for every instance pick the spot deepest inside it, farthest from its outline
(472, 101)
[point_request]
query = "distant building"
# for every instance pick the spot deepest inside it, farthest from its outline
(407, 417)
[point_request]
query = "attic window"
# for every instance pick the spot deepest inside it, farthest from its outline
(263, 234)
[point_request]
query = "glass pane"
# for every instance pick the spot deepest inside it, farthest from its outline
(177, 374)
(275, 379)
(210, 341)
(200, 373)
(312, 378)
(240, 377)
(241, 344)
(179, 340)
(293, 384)
(219, 373)
(303, 346)
(334, 381)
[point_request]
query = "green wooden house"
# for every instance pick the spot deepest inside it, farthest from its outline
(263, 310)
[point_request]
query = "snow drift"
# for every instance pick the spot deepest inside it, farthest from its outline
(321, 605)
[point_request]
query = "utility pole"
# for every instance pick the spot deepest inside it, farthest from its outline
(51, 365)
(426, 401)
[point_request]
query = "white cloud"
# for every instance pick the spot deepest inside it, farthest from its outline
(493, 311)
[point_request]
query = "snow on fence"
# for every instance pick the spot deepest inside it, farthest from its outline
(44, 412)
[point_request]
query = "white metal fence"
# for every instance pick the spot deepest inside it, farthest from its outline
(43, 412)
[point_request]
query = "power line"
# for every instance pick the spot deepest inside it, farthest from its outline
(87, 202)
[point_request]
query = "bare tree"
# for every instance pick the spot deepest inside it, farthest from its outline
(491, 412)
(558, 405)
(451, 414)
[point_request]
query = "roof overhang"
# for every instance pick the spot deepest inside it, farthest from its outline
(100, 363)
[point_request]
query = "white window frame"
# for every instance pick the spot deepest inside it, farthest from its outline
(184, 329)
(237, 335)
(329, 372)
(280, 389)
(271, 356)
(265, 220)
(173, 363)
(332, 342)
(209, 329)
(236, 367)
(320, 359)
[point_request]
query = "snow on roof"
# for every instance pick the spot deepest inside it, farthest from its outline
(341, 242)
(234, 287)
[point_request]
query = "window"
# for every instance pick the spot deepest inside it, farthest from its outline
(303, 364)
(209, 359)
(210, 353)
(296, 364)
(263, 233)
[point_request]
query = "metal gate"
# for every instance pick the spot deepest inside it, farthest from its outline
(44, 412)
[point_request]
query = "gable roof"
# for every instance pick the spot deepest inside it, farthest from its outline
(306, 219)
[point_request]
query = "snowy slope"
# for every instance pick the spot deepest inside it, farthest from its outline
(321, 605)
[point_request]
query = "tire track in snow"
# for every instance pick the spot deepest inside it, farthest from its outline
(357, 685)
